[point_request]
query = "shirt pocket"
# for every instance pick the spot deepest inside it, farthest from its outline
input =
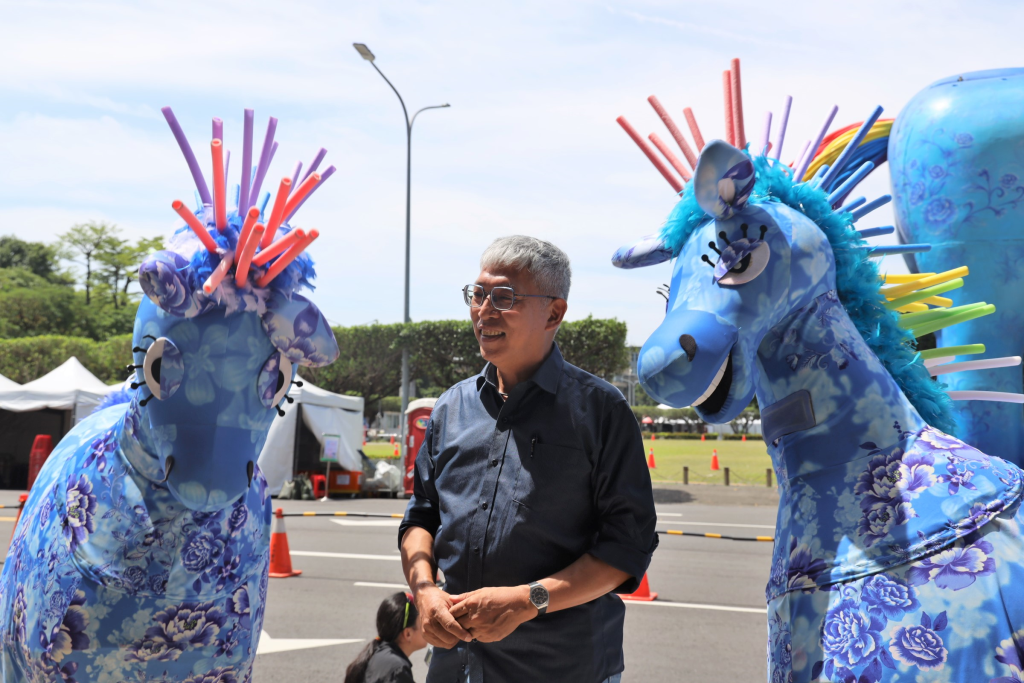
(554, 478)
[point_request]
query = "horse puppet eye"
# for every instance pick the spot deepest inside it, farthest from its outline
(274, 380)
(163, 368)
(742, 261)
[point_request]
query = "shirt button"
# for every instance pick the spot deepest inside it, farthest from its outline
(494, 463)
(476, 550)
(484, 506)
(504, 420)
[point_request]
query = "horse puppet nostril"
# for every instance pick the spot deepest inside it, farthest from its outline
(689, 345)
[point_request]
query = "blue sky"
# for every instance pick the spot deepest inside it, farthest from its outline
(529, 145)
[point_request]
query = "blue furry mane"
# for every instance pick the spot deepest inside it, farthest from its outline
(857, 282)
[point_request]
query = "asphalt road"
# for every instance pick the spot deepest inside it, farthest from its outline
(708, 623)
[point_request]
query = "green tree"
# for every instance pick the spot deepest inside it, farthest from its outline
(84, 243)
(441, 352)
(40, 259)
(370, 365)
(597, 345)
(120, 261)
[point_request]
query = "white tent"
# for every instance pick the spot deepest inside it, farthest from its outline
(6, 384)
(67, 387)
(323, 412)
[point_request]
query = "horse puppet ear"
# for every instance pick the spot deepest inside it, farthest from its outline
(723, 180)
(299, 330)
(647, 251)
(168, 280)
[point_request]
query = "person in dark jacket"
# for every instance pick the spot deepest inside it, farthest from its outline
(386, 658)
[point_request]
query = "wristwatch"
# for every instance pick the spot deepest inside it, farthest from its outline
(539, 597)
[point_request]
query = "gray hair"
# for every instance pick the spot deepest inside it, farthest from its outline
(548, 264)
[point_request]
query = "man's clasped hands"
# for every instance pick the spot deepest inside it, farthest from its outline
(487, 615)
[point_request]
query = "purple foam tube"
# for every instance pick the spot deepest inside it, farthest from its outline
(227, 164)
(295, 176)
(844, 157)
(780, 133)
(190, 157)
(218, 129)
(815, 143)
(265, 156)
(243, 197)
(315, 164)
(800, 159)
(323, 177)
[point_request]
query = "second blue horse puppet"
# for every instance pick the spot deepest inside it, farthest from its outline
(142, 552)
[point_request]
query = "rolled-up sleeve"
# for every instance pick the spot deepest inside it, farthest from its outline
(423, 510)
(626, 536)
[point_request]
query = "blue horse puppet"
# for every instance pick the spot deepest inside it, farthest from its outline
(898, 552)
(142, 551)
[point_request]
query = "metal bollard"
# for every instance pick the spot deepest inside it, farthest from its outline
(768, 476)
(726, 470)
(686, 474)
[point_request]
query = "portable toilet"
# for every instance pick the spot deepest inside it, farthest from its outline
(417, 415)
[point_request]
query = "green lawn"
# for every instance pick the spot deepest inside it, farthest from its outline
(747, 461)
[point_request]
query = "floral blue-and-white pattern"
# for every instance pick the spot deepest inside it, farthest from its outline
(898, 554)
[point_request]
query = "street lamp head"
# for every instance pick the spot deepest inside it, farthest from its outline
(363, 51)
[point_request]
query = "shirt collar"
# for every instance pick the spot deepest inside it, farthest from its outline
(546, 377)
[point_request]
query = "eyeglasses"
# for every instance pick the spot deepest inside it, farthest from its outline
(502, 298)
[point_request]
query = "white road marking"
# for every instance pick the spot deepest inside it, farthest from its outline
(346, 556)
(368, 522)
(372, 584)
(270, 645)
(693, 605)
(742, 526)
(670, 514)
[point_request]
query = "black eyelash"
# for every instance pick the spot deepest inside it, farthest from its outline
(714, 247)
(146, 400)
(705, 259)
(280, 411)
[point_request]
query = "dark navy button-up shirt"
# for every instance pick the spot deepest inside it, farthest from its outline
(514, 491)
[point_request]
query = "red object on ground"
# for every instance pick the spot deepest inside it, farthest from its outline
(345, 481)
(396, 450)
(744, 438)
(702, 436)
(714, 460)
(654, 436)
(643, 593)
(280, 556)
(42, 446)
(650, 460)
(417, 417)
(21, 500)
(319, 485)
(392, 439)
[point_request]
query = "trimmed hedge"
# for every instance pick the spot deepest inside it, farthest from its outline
(695, 436)
(28, 358)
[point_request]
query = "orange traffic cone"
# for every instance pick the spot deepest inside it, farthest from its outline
(654, 437)
(392, 438)
(21, 504)
(714, 459)
(702, 436)
(396, 450)
(650, 460)
(643, 593)
(744, 438)
(280, 556)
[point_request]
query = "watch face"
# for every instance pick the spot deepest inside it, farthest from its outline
(538, 595)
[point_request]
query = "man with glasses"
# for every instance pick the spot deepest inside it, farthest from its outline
(531, 495)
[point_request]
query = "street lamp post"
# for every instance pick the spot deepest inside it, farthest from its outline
(404, 392)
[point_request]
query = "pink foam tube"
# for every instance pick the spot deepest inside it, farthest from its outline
(677, 134)
(295, 175)
(246, 254)
(315, 164)
(277, 247)
(300, 193)
(277, 213)
(691, 121)
(217, 276)
(815, 143)
(198, 228)
(190, 157)
(328, 172)
(762, 148)
(730, 126)
(286, 259)
(645, 148)
(218, 129)
(251, 217)
(265, 157)
(243, 196)
(737, 105)
(780, 132)
(219, 203)
(672, 158)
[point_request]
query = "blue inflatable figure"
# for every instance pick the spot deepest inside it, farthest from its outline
(898, 552)
(142, 551)
(956, 154)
